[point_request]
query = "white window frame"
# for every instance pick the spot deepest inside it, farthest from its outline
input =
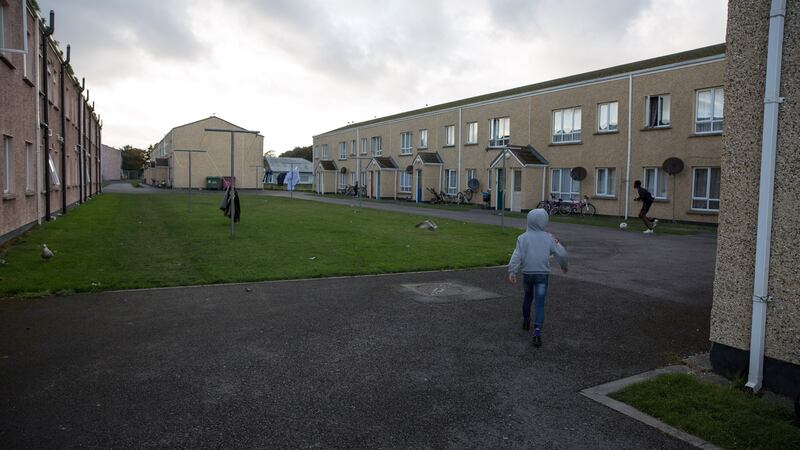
(609, 185)
(652, 187)
(325, 152)
(559, 133)
(449, 135)
(406, 140)
(423, 138)
(54, 178)
(377, 145)
(364, 145)
(612, 117)
(451, 180)
(664, 119)
(707, 198)
(29, 186)
(499, 131)
(342, 150)
(470, 174)
(472, 132)
(342, 180)
(306, 178)
(7, 160)
(405, 182)
(353, 149)
(316, 152)
(353, 178)
(3, 25)
(574, 188)
(712, 124)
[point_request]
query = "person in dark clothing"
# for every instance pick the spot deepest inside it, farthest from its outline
(647, 200)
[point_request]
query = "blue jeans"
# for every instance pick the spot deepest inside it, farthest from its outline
(535, 286)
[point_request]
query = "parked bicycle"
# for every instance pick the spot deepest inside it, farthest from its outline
(582, 207)
(552, 206)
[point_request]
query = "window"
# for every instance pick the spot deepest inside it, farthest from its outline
(499, 132)
(363, 181)
(405, 182)
(451, 180)
(29, 167)
(268, 178)
(325, 151)
(563, 186)
(657, 110)
(708, 112)
(3, 26)
(363, 146)
(54, 180)
(449, 135)
(606, 181)
(607, 117)
(26, 65)
(705, 188)
(567, 125)
(423, 138)
(342, 150)
(655, 181)
(353, 149)
(377, 145)
(353, 178)
(7, 175)
(472, 133)
(305, 178)
(342, 181)
(472, 174)
(405, 143)
(316, 151)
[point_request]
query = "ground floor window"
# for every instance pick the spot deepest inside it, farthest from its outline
(705, 188)
(405, 182)
(655, 181)
(342, 180)
(363, 181)
(563, 186)
(54, 179)
(305, 178)
(353, 178)
(472, 174)
(7, 172)
(606, 181)
(451, 181)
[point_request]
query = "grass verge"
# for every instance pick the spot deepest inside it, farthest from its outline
(721, 415)
(123, 241)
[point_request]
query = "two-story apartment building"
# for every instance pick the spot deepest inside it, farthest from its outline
(618, 124)
(49, 154)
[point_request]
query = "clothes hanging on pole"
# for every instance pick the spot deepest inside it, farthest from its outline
(231, 198)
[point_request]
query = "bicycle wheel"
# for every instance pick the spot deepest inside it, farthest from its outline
(542, 205)
(551, 208)
(565, 209)
(588, 209)
(468, 195)
(460, 198)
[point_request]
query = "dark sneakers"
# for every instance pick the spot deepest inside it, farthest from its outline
(526, 324)
(537, 338)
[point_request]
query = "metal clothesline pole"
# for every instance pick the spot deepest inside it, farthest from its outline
(189, 151)
(232, 133)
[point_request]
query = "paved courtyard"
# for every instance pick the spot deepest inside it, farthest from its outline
(358, 362)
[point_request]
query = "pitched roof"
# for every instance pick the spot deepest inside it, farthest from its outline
(285, 164)
(209, 117)
(328, 165)
(704, 52)
(429, 157)
(525, 155)
(385, 162)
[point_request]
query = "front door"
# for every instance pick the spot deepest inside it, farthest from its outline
(500, 200)
(516, 194)
(419, 186)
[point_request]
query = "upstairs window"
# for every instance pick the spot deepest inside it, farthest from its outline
(423, 138)
(325, 151)
(449, 135)
(54, 179)
(499, 132)
(472, 133)
(353, 148)
(377, 146)
(657, 111)
(2, 26)
(29, 169)
(316, 151)
(405, 143)
(607, 117)
(566, 125)
(342, 150)
(709, 111)
(363, 146)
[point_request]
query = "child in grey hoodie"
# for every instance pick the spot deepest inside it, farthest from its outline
(532, 258)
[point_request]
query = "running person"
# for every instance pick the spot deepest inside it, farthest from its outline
(647, 201)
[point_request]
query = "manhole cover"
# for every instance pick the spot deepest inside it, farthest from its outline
(447, 292)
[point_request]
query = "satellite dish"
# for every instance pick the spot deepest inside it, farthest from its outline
(672, 166)
(578, 173)
(410, 169)
(473, 184)
(343, 170)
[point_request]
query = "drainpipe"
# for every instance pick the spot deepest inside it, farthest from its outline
(628, 164)
(63, 137)
(769, 140)
(100, 153)
(45, 125)
(81, 115)
(458, 172)
(37, 101)
(86, 146)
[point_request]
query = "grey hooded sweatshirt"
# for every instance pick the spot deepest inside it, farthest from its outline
(534, 247)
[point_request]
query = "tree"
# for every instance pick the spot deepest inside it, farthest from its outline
(299, 152)
(132, 158)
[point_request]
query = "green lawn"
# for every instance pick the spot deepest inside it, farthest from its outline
(120, 241)
(721, 415)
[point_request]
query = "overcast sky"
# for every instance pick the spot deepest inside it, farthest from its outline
(295, 68)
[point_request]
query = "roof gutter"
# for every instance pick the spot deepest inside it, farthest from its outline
(769, 141)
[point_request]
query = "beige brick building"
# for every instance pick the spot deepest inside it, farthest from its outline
(172, 167)
(49, 153)
(619, 124)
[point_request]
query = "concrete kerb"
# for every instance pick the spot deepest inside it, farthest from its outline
(601, 393)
